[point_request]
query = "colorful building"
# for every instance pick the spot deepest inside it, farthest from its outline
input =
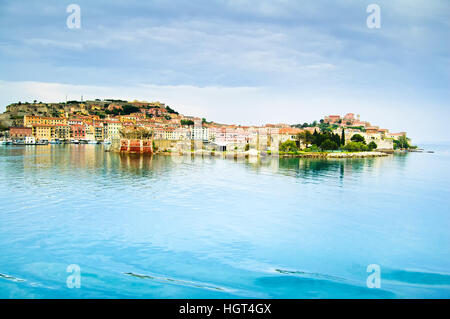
(30, 120)
(77, 132)
(61, 132)
(20, 133)
(42, 132)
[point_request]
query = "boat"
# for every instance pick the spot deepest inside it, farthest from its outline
(107, 142)
(55, 141)
(5, 142)
(92, 142)
(74, 141)
(42, 142)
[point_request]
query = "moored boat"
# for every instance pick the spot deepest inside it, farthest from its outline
(5, 142)
(42, 142)
(55, 141)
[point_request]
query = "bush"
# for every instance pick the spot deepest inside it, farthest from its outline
(312, 148)
(356, 147)
(372, 145)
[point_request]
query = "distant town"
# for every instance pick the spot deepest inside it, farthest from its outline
(105, 121)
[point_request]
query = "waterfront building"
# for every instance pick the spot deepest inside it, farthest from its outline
(42, 132)
(77, 132)
(98, 132)
(60, 131)
(20, 133)
(199, 132)
(112, 129)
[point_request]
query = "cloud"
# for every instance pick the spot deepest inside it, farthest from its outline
(207, 55)
(253, 105)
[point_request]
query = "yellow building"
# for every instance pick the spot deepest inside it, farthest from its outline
(128, 118)
(98, 132)
(61, 132)
(42, 132)
(90, 132)
(30, 120)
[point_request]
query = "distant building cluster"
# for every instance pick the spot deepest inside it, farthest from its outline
(352, 125)
(97, 121)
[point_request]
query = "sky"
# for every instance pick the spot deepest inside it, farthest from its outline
(238, 61)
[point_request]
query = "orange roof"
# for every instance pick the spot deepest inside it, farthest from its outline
(290, 130)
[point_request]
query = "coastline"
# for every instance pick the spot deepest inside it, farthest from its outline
(319, 155)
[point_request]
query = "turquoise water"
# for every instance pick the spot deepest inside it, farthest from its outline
(157, 227)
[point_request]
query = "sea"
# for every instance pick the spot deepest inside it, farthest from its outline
(79, 222)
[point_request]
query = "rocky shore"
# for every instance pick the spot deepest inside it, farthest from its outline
(322, 155)
(356, 155)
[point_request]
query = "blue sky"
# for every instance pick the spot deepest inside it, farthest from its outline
(242, 61)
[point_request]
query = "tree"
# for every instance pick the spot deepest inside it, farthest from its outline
(358, 138)
(343, 137)
(372, 145)
(402, 142)
(329, 145)
(187, 122)
(304, 137)
(170, 110)
(288, 146)
(324, 127)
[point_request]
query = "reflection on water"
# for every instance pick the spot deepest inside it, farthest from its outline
(92, 157)
(213, 227)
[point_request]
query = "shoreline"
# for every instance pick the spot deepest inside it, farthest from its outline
(317, 155)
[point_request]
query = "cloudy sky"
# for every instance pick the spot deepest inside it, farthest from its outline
(238, 61)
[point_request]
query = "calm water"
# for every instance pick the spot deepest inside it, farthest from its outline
(154, 227)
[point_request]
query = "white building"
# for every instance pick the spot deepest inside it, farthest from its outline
(199, 132)
(112, 129)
